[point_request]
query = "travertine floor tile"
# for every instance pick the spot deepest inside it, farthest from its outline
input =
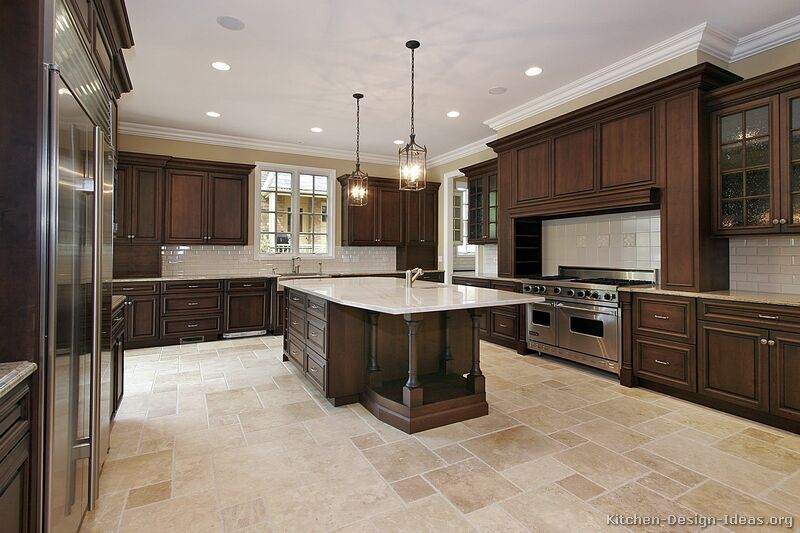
(512, 446)
(760, 452)
(413, 488)
(633, 499)
(554, 509)
(611, 435)
(232, 402)
(149, 494)
(471, 485)
(581, 487)
(495, 519)
(627, 411)
(453, 453)
(430, 515)
(544, 419)
(601, 465)
(136, 471)
(438, 437)
(243, 515)
(402, 459)
(196, 513)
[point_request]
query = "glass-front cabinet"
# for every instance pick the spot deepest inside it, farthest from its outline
(790, 149)
(482, 208)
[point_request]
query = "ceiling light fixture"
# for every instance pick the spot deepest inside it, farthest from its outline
(453, 114)
(413, 157)
(230, 23)
(357, 181)
(316, 129)
(533, 71)
(213, 114)
(497, 90)
(399, 141)
(221, 65)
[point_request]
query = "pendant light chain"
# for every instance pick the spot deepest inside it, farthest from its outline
(412, 92)
(358, 132)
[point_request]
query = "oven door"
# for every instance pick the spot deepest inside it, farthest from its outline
(589, 329)
(541, 321)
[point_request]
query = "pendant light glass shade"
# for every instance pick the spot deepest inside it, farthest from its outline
(357, 186)
(413, 157)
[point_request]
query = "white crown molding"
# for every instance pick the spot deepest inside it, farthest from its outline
(458, 153)
(175, 134)
(769, 37)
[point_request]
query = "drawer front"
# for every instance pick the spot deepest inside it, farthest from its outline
(187, 327)
(749, 314)
(667, 317)
(316, 335)
(190, 286)
(297, 299)
(472, 282)
(183, 304)
(118, 320)
(510, 286)
(139, 287)
(246, 284)
(666, 362)
(437, 277)
(504, 325)
(317, 307)
(297, 322)
(315, 369)
(296, 350)
(15, 417)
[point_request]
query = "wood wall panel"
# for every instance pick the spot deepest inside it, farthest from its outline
(627, 150)
(574, 162)
(533, 172)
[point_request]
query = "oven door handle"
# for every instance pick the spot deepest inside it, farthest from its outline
(593, 311)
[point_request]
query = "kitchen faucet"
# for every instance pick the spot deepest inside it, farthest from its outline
(412, 275)
(296, 266)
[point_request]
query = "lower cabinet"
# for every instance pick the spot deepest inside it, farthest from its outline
(118, 333)
(784, 369)
(142, 318)
(670, 363)
(246, 311)
(15, 460)
(504, 325)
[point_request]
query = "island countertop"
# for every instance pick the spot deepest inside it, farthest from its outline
(390, 295)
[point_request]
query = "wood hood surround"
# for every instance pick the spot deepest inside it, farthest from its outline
(643, 148)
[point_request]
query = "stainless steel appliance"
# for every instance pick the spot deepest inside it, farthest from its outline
(580, 317)
(78, 197)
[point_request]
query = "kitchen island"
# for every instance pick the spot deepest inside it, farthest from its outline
(409, 355)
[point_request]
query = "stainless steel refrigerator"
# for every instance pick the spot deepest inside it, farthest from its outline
(80, 165)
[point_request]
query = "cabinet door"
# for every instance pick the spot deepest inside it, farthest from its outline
(361, 220)
(122, 208)
(118, 362)
(476, 229)
(227, 209)
(534, 173)
(15, 486)
(146, 204)
(142, 318)
(744, 165)
(390, 216)
(491, 208)
(784, 369)
(504, 326)
(627, 151)
(421, 216)
(790, 168)
(186, 201)
(246, 311)
(573, 162)
(733, 364)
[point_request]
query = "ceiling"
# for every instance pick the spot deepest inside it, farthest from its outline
(296, 63)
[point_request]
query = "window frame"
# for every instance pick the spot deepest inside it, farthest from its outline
(295, 171)
(464, 222)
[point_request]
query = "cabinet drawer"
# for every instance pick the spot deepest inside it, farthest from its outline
(472, 282)
(297, 322)
(666, 362)
(187, 327)
(175, 304)
(437, 277)
(510, 286)
(297, 299)
(316, 335)
(246, 284)
(317, 307)
(667, 317)
(15, 417)
(295, 350)
(118, 320)
(315, 369)
(504, 325)
(190, 286)
(139, 287)
(750, 314)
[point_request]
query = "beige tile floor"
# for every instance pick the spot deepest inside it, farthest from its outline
(223, 436)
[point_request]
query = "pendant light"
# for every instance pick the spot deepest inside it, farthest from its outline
(413, 157)
(357, 181)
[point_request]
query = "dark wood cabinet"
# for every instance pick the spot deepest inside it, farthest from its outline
(784, 367)
(118, 332)
(627, 150)
(246, 311)
(139, 199)
(186, 197)
(278, 314)
(422, 216)
(378, 223)
(226, 216)
(15, 460)
(142, 318)
(389, 221)
(574, 162)
(483, 207)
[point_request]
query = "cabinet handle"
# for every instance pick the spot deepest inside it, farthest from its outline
(660, 362)
(314, 306)
(769, 317)
(763, 341)
(775, 221)
(118, 319)
(771, 342)
(503, 325)
(783, 221)
(190, 304)
(661, 317)
(311, 368)
(313, 334)
(295, 299)
(192, 286)
(191, 325)
(247, 284)
(294, 323)
(128, 288)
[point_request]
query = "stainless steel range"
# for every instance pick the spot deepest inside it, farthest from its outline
(580, 317)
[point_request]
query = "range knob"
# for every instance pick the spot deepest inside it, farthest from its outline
(606, 296)
(580, 294)
(556, 290)
(527, 288)
(570, 292)
(595, 295)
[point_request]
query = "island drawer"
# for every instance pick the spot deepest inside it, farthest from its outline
(472, 282)
(295, 350)
(190, 286)
(315, 369)
(504, 325)
(750, 314)
(138, 287)
(258, 284)
(667, 317)
(317, 307)
(297, 299)
(189, 327)
(174, 304)
(666, 362)
(297, 322)
(316, 335)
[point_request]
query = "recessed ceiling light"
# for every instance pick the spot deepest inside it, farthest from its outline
(497, 90)
(220, 65)
(398, 141)
(230, 23)
(213, 114)
(316, 129)
(453, 114)
(533, 71)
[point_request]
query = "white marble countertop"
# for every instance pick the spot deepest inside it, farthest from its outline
(269, 274)
(390, 296)
(14, 373)
(772, 298)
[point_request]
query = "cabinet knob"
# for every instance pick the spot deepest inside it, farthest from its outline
(783, 221)
(763, 341)
(775, 221)
(771, 343)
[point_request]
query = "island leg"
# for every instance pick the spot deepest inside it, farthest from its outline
(476, 382)
(373, 369)
(412, 391)
(447, 359)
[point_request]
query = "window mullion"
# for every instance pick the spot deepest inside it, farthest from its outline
(295, 226)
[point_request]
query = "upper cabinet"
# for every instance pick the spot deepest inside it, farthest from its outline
(379, 222)
(755, 159)
(482, 198)
(139, 199)
(627, 150)
(422, 214)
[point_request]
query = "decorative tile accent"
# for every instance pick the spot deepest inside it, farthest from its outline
(603, 241)
(765, 264)
(628, 240)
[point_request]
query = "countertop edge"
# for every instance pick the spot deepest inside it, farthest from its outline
(14, 373)
(270, 276)
(768, 298)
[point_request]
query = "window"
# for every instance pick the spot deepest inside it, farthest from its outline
(294, 210)
(460, 220)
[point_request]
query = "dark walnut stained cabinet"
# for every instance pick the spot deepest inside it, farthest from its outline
(574, 162)
(139, 199)
(483, 208)
(784, 368)
(16, 460)
(627, 150)
(379, 222)
(118, 334)
(755, 163)
(422, 215)
(248, 304)
(186, 218)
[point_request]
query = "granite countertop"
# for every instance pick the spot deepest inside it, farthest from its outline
(772, 298)
(117, 300)
(303, 275)
(390, 295)
(12, 374)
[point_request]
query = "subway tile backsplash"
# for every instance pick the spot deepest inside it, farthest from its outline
(222, 260)
(765, 264)
(619, 240)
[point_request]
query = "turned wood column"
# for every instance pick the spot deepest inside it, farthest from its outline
(626, 376)
(447, 357)
(476, 382)
(373, 368)
(412, 391)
